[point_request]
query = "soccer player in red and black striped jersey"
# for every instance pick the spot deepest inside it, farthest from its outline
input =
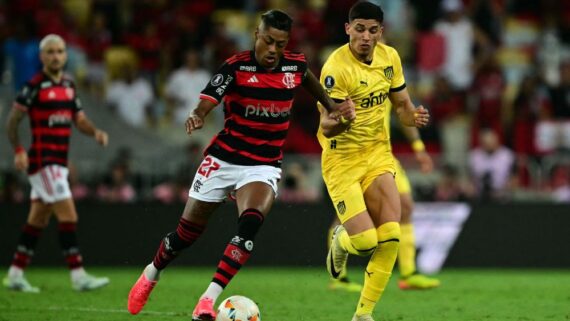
(257, 89)
(50, 100)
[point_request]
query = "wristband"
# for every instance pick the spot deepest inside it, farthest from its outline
(19, 150)
(418, 146)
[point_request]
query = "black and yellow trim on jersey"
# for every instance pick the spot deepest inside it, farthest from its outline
(395, 90)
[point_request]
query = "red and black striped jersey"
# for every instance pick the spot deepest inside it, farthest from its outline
(51, 108)
(257, 107)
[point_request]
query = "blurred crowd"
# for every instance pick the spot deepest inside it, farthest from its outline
(495, 75)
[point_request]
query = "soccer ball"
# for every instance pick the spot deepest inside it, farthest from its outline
(238, 308)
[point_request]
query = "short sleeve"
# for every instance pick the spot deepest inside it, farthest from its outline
(220, 83)
(334, 81)
(78, 106)
(398, 81)
(25, 98)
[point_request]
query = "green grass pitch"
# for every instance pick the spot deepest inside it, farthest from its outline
(297, 294)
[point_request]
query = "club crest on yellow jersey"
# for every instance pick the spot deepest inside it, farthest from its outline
(389, 72)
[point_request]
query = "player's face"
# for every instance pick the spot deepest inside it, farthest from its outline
(269, 46)
(54, 56)
(364, 34)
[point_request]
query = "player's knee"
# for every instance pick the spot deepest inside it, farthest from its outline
(365, 243)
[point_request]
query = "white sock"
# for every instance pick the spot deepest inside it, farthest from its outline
(77, 273)
(213, 291)
(15, 272)
(151, 272)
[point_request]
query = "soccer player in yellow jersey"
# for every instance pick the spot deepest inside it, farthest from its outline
(358, 166)
(409, 277)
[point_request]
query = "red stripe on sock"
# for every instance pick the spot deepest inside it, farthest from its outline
(32, 230)
(190, 225)
(21, 260)
(186, 235)
(254, 213)
(67, 226)
(189, 231)
(74, 261)
(221, 278)
(224, 266)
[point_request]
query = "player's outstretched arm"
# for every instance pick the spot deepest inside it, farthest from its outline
(408, 114)
(20, 157)
(314, 87)
(86, 126)
(341, 107)
(334, 123)
(196, 118)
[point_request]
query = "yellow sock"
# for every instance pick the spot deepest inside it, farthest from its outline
(379, 268)
(361, 244)
(407, 251)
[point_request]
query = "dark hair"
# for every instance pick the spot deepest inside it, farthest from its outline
(365, 10)
(277, 19)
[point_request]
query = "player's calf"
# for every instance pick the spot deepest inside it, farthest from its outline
(185, 235)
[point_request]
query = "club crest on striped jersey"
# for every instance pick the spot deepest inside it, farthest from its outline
(289, 80)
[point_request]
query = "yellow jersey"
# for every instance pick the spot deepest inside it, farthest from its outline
(343, 76)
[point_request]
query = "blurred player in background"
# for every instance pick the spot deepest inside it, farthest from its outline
(52, 104)
(357, 161)
(409, 276)
(257, 88)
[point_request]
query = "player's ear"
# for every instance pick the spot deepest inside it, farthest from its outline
(346, 27)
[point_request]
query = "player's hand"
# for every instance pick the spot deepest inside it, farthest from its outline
(426, 163)
(344, 111)
(101, 137)
(21, 161)
(193, 123)
(421, 117)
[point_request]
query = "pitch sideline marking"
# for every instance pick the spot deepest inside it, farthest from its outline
(55, 308)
